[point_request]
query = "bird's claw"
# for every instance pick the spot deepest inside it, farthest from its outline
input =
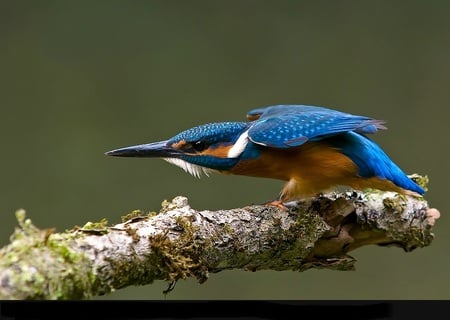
(285, 206)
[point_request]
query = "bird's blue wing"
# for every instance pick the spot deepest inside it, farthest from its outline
(291, 126)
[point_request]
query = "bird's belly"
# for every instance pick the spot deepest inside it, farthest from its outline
(309, 169)
(312, 168)
(312, 161)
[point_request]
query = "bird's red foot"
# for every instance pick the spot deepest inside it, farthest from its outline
(277, 203)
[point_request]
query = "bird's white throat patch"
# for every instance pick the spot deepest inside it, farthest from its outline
(236, 150)
(196, 170)
(190, 168)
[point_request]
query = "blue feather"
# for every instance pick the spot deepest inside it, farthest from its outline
(212, 132)
(286, 126)
(372, 160)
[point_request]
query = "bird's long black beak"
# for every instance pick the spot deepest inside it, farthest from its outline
(150, 150)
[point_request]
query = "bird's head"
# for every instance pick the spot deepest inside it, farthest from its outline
(205, 148)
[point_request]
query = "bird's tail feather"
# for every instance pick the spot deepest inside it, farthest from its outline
(372, 161)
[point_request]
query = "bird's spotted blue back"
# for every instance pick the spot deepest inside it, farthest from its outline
(285, 126)
(313, 148)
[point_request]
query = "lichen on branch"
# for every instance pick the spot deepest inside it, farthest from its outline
(180, 242)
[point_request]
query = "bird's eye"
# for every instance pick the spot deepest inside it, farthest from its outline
(199, 145)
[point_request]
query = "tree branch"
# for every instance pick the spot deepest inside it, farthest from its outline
(180, 242)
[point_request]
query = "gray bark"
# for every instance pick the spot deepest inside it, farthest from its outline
(180, 242)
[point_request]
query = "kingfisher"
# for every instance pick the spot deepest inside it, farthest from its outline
(313, 148)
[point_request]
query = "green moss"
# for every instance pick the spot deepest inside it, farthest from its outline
(306, 230)
(165, 206)
(179, 259)
(100, 227)
(133, 233)
(227, 228)
(60, 247)
(286, 248)
(44, 266)
(125, 272)
(78, 278)
(396, 203)
(420, 180)
(152, 214)
(26, 226)
(20, 216)
(132, 215)
(169, 259)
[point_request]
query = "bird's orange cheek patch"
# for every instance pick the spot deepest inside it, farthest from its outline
(219, 152)
(179, 145)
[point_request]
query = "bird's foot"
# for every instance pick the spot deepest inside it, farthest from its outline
(276, 203)
(282, 205)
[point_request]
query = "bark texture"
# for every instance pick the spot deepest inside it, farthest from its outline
(180, 242)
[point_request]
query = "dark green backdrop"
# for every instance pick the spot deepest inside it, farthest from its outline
(78, 78)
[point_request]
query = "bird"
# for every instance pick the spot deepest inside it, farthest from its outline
(314, 149)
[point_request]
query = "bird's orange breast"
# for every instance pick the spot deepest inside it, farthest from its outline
(309, 161)
(309, 169)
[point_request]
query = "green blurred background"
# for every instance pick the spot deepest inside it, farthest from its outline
(78, 78)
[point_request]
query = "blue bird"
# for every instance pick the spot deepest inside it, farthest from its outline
(314, 149)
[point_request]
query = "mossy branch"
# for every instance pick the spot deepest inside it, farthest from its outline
(180, 242)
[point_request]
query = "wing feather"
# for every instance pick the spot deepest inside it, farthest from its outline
(287, 126)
